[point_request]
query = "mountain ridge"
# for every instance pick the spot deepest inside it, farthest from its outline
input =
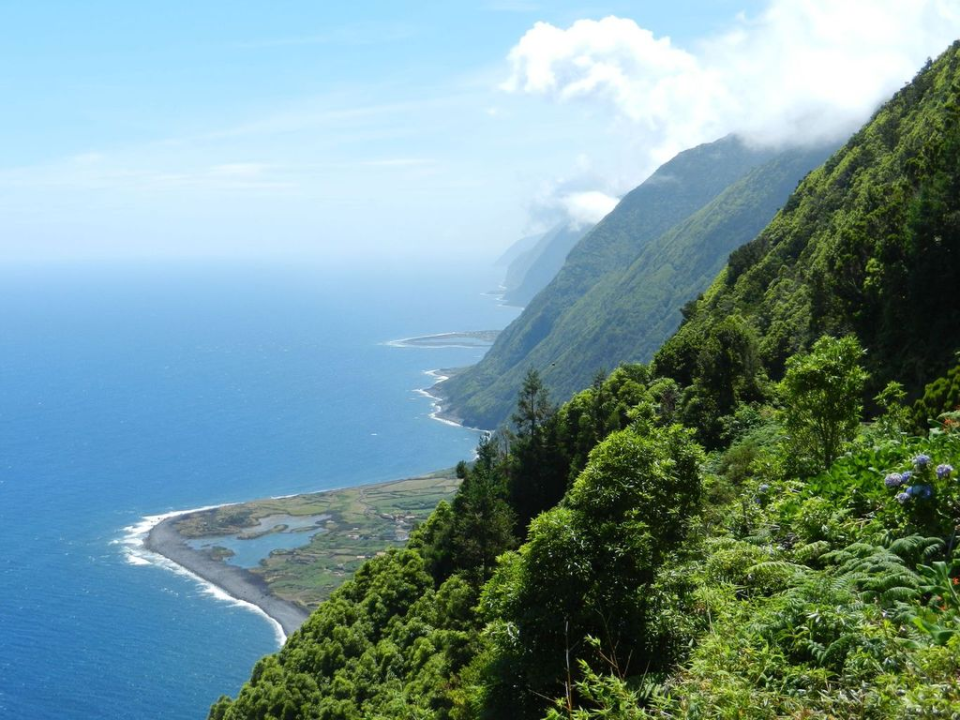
(566, 332)
(533, 269)
(806, 568)
(869, 244)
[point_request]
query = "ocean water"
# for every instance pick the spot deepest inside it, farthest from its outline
(131, 390)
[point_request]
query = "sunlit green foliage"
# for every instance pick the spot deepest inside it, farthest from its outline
(895, 417)
(588, 567)
(468, 535)
(939, 397)
(620, 293)
(666, 584)
(607, 405)
(821, 394)
(788, 596)
(867, 245)
(402, 637)
(727, 373)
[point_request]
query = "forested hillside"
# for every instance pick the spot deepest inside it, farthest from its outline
(869, 244)
(599, 562)
(628, 314)
(620, 292)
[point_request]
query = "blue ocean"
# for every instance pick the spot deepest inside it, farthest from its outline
(128, 391)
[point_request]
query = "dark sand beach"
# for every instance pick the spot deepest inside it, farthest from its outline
(348, 525)
(239, 583)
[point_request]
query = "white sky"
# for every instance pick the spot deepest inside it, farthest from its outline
(419, 135)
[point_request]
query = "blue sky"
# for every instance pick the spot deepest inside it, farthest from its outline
(351, 131)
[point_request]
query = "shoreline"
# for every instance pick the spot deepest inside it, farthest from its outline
(438, 413)
(156, 540)
(237, 584)
(467, 339)
(157, 536)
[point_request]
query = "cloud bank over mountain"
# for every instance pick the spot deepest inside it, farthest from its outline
(327, 133)
(797, 73)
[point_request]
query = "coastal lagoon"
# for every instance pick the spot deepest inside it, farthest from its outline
(129, 391)
(247, 548)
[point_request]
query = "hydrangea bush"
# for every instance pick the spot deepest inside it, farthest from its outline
(928, 494)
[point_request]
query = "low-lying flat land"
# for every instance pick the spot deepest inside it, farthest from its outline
(353, 525)
(469, 338)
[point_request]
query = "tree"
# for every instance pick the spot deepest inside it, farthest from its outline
(940, 396)
(729, 373)
(465, 536)
(482, 519)
(533, 405)
(609, 404)
(588, 566)
(729, 364)
(538, 476)
(822, 394)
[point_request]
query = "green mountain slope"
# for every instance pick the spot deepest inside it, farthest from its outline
(869, 243)
(620, 293)
(532, 270)
(665, 584)
(628, 315)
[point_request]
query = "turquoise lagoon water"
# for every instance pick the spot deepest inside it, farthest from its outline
(257, 542)
(132, 391)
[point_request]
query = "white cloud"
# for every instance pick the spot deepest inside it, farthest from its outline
(587, 208)
(799, 72)
(574, 200)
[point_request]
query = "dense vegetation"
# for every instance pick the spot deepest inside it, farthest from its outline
(405, 636)
(627, 315)
(599, 562)
(596, 315)
(484, 394)
(869, 244)
(663, 584)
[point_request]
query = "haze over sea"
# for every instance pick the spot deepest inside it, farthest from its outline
(132, 390)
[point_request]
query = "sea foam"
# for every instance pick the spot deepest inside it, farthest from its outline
(133, 544)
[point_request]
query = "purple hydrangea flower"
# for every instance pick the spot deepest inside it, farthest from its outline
(944, 471)
(905, 476)
(921, 461)
(763, 488)
(920, 491)
(893, 480)
(903, 498)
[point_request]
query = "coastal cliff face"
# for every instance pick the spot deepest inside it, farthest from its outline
(867, 245)
(620, 292)
(804, 568)
(533, 269)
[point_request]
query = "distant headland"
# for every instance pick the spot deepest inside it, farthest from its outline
(467, 339)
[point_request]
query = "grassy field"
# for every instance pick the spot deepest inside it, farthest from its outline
(361, 522)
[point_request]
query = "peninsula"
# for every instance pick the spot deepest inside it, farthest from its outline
(466, 339)
(318, 540)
